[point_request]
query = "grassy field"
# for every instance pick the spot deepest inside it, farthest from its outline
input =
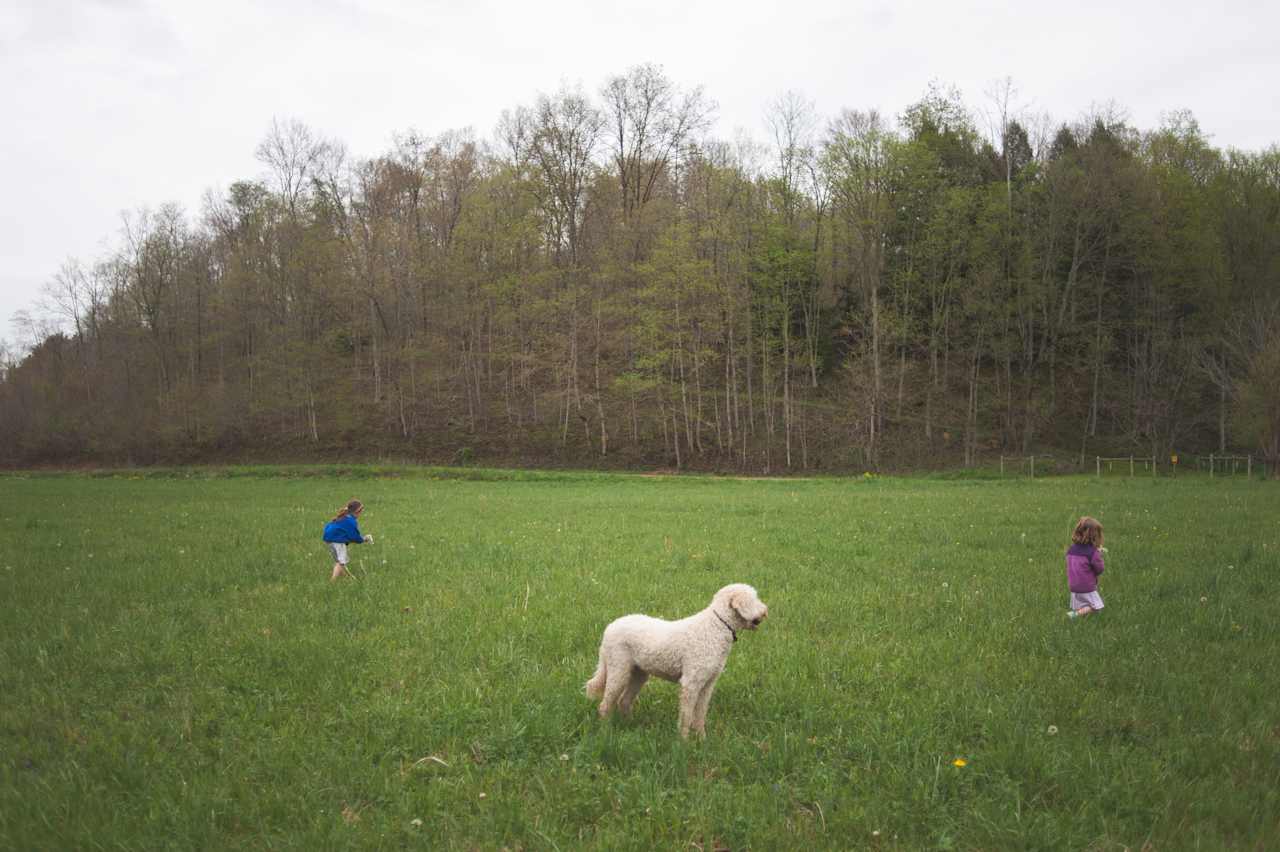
(176, 670)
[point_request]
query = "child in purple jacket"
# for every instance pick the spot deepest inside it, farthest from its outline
(1084, 566)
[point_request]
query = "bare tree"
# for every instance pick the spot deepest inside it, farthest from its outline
(152, 255)
(292, 152)
(74, 297)
(792, 120)
(857, 163)
(650, 120)
(566, 131)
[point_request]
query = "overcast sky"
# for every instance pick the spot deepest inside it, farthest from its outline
(112, 105)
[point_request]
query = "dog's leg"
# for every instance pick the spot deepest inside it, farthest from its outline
(595, 687)
(700, 708)
(638, 679)
(689, 691)
(619, 678)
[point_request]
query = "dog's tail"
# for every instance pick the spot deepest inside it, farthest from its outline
(595, 687)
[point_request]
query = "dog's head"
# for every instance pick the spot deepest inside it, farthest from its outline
(743, 604)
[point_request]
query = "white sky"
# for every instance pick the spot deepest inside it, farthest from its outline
(111, 105)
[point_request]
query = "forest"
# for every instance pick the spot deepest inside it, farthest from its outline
(602, 283)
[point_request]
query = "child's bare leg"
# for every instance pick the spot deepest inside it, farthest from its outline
(339, 570)
(1084, 610)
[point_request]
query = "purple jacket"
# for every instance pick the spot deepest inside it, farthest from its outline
(1084, 566)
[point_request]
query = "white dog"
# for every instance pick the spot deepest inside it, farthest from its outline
(691, 652)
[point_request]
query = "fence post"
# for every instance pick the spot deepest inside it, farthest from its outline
(1211, 465)
(1250, 468)
(1098, 461)
(1033, 466)
(1153, 467)
(1131, 467)
(1002, 465)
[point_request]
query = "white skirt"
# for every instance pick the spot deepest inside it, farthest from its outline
(1082, 599)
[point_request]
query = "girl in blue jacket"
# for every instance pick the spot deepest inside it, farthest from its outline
(340, 532)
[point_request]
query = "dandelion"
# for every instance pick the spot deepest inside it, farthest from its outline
(417, 823)
(960, 761)
(564, 757)
(946, 585)
(484, 795)
(1053, 730)
(1203, 599)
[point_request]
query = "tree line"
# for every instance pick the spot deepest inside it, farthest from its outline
(603, 283)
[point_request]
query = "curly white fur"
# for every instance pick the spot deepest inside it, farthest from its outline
(691, 652)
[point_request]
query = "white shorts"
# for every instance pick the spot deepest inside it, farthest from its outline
(339, 551)
(1091, 599)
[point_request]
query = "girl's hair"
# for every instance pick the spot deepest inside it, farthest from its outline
(349, 509)
(1087, 531)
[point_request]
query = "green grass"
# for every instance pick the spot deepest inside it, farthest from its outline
(176, 671)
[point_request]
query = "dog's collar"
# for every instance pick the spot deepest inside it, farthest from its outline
(726, 624)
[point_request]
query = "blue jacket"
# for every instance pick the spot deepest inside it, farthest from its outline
(343, 531)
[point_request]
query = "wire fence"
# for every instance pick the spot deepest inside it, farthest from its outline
(1212, 465)
(1135, 464)
(1026, 465)
(1226, 465)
